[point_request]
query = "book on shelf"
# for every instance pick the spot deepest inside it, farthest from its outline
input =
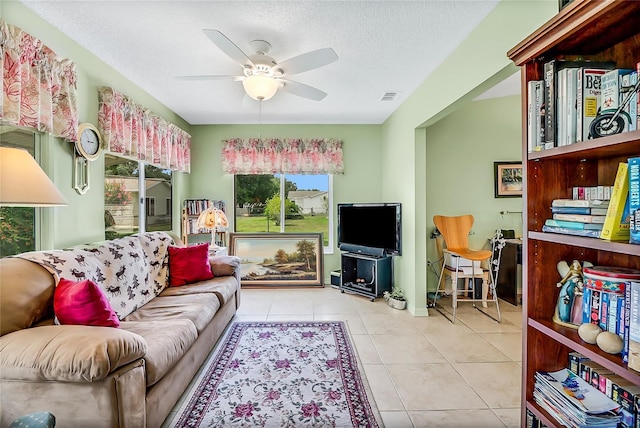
(583, 218)
(628, 83)
(616, 224)
(579, 203)
(573, 401)
(633, 359)
(611, 94)
(576, 232)
(591, 192)
(535, 116)
(634, 200)
(573, 224)
(588, 95)
(579, 210)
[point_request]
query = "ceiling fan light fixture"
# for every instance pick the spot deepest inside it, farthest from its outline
(260, 87)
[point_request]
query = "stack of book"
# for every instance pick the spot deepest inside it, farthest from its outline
(579, 217)
(574, 402)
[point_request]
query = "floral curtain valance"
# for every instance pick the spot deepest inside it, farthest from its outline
(274, 155)
(131, 130)
(38, 88)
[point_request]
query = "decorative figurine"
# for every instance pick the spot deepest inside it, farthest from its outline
(569, 307)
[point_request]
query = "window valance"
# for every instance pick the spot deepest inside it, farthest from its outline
(38, 88)
(274, 155)
(131, 130)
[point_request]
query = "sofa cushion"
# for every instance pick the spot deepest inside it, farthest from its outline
(82, 303)
(189, 264)
(167, 341)
(198, 308)
(224, 287)
(71, 353)
(26, 291)
(224, 265)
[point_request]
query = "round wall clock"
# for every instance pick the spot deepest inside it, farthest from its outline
(89, 142)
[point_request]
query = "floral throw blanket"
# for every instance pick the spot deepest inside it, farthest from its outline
(131, 270)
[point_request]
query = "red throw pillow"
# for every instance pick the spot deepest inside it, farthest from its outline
(83, 303)
(189, 264)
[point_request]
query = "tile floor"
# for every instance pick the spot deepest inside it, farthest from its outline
(423, 371)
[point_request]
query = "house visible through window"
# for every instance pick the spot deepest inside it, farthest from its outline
(19, 225)
(284, 203)
(123, 192)
(151, 206)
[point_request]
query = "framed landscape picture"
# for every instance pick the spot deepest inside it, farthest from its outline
(508, 179)
(279, 259)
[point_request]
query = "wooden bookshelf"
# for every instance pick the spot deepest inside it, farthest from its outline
(596, 30)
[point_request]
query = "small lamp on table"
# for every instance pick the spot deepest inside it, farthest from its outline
(214, 219)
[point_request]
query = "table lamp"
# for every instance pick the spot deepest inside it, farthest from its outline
(213, 218)
(23, 183)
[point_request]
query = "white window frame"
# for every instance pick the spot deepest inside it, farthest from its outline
(327, 249)
(142, 194)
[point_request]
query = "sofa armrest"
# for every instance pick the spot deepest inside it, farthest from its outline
(71, 353)
(224, 265)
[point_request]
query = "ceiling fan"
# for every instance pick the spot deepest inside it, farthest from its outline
(262, 75)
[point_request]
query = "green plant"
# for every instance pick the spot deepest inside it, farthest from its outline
(396, 294)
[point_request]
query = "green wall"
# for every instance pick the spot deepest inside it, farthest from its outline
(83, 219)
(460, 168)
(477, 64)
(361, 182)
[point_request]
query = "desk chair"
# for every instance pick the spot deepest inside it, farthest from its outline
(455, 232)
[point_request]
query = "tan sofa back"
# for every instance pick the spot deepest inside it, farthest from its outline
(26, 294)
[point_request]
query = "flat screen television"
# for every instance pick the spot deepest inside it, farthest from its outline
(370, 228)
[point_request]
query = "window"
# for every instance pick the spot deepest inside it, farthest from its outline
(18, 225)
(123, 192)
(151, 206)
(284, 203)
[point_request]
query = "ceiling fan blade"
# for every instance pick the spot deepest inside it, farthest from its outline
(228, 47)
(211, 77)
(308, 61)
(302, 90)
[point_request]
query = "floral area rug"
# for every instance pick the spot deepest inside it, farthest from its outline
(280, 374)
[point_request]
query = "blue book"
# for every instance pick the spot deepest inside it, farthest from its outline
(579, 210)
(573, 224)
(586, 305)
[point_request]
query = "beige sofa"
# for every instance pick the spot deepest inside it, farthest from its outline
(88, 376)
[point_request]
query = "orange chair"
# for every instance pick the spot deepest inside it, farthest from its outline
(455, 231)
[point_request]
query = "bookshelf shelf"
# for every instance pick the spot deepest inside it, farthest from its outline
(599, 31)
(614, 146)
(592, 243)
(569, 337)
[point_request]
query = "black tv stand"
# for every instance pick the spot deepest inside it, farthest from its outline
(366, 275)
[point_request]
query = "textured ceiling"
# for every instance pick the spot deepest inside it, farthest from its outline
(383, 46)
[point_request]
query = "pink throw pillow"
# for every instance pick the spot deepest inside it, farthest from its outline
(83, 303)
(189, 264)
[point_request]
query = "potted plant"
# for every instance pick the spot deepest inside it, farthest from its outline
(395, 298)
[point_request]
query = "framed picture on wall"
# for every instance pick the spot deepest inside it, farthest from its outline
(508, 179)
(278, 259)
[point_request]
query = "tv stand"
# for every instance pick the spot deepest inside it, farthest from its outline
(369, 276)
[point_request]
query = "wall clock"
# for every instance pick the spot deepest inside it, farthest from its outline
(89, 142)
(87, 147)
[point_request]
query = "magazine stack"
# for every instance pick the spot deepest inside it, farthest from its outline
(574, 402)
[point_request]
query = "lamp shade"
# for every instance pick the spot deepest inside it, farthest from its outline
(260, 87)
(23, 183)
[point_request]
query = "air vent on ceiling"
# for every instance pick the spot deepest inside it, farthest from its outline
(388, 96)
